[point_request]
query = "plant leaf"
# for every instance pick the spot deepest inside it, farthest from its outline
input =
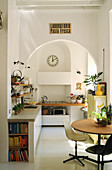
(99, 74)
(98, 80)
(87, 75)
(86, 81)
(88, 84)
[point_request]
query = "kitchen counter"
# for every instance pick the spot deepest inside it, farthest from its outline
(61, 104)
(26, 115)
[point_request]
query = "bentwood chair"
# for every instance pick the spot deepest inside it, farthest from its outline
(102, 150)
(72, 135)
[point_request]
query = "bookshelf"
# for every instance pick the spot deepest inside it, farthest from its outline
(26, 124)
(18, 141)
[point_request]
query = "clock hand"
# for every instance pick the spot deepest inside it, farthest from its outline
(54, 58)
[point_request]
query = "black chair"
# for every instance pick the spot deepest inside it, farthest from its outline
(102, 150)
(72, 135)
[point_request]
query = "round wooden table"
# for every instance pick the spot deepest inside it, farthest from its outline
(90, 126)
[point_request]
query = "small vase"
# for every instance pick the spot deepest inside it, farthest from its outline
(98, 92)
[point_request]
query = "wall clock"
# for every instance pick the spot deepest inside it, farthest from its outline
(52, 60)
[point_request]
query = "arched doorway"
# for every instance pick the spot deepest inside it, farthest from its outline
(72, 58)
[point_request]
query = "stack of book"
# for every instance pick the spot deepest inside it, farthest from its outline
(18, 155)
(16, 128)
(21, 141)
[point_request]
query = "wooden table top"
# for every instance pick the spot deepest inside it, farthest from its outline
(90, 126)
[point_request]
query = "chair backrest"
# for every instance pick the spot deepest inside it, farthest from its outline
(68, 129)
(108, 147)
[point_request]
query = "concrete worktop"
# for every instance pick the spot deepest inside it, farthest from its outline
(28, 114)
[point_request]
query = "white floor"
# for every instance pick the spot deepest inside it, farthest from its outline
(53, 147)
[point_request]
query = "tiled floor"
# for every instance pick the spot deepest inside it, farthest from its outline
(53, 147)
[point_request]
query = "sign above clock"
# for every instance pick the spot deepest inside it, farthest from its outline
(60, 28)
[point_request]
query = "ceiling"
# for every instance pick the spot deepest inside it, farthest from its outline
(59, 3)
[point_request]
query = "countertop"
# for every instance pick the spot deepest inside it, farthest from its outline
(61, 104)
(28, 114)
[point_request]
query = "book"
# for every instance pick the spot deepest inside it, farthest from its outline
(10, 128)
(20, 140)
(23, 140)
(22, 156)
(16, 155)
(26, 154)
(26, 141)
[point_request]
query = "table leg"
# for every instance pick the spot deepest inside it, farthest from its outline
(99, 139)
(98, 154)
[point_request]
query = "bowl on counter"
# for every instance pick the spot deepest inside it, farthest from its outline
(73, 100)
(79, 100)
(33, 103)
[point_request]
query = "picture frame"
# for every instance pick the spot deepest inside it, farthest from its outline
(103, 87)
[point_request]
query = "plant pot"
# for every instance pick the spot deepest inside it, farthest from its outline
(93, 93)
(104, 122)
(16, 112)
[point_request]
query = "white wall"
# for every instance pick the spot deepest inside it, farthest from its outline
(34, 29)
(13, 30)
(104, 42)
(110, 56)
(69, 53)
(8, 49)
(78, 63)
(3, 84)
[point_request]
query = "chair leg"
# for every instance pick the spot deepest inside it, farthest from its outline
(102, 163)
(98, 161)
(75, 156)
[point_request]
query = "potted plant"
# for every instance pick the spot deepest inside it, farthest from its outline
(22, 105)
(102, 117)
(16, 109)
(93, 80)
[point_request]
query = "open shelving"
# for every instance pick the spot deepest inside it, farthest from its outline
(18, 141)
(22, 95)
(21, 84)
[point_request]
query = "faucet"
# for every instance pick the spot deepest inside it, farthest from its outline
(44, 99)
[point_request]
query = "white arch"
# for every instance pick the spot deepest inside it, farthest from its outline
(64, 41)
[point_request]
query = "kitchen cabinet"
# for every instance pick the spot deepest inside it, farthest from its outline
(54, 78)
(53, 120)
(73, 113)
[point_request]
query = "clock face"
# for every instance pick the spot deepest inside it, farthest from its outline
(52, 60)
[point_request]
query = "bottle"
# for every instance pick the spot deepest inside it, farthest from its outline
(98, 92)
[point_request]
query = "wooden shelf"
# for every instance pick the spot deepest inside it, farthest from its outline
(18, 134)
(18, 147)
(61, 104)
(21, 95)
(21, 84)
